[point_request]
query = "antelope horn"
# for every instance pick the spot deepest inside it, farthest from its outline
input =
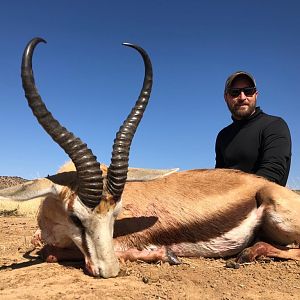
(89, 174)
(117, 171)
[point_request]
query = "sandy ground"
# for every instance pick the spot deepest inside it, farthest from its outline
(24, 276)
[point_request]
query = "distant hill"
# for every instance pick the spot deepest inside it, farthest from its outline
(7, 181)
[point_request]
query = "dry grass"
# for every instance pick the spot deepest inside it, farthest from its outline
(26, 208)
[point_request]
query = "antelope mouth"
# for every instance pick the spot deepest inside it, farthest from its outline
(101, 272)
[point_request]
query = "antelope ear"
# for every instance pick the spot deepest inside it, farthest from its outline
(140, 174)
(29, 190)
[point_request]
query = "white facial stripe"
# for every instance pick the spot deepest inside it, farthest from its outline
(99, 239)
(95, 238)
(118, 208)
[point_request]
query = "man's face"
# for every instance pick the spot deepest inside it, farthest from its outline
(243, 105)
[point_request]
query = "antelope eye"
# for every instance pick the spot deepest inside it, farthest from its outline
(76, 221)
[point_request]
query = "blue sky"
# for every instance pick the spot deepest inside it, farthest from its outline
(90, 81)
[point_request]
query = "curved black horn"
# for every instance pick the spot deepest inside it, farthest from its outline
(117, 171)
(89, 174)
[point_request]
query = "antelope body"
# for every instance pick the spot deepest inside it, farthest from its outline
(208, 213)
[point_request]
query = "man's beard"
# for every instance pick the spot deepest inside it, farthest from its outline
(239, 113)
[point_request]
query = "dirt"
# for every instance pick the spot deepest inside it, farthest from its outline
(24, 276)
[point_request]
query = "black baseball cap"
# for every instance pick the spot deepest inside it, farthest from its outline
(237, 74)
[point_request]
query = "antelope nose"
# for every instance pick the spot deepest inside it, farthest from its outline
(110, 272)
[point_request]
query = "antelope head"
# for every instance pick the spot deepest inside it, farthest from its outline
(87, 207)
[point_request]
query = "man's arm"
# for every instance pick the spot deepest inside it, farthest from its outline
(276, 152)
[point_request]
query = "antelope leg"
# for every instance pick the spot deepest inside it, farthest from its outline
(56, 254)
(153, 255)
(268, 250)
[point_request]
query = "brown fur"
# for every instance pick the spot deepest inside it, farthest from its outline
(149, 217)
(105, 205)
(193, 206)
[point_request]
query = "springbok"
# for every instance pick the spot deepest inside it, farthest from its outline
(161, 216)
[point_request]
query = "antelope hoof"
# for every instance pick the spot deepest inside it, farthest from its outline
(246, 256)
(232, 264)
(47, 255)
(51, 259)
(172, 258)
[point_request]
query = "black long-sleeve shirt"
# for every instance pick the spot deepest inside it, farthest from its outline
(260, 145)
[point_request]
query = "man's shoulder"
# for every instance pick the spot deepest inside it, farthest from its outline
(228, 127)
(226, 130)
(274, 125)
(260, 122)
(267, 119)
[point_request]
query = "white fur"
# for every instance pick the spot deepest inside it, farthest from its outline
(230, 243)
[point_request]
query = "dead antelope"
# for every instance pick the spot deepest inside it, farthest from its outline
(208, 213)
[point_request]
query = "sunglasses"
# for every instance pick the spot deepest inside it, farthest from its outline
(248, 91)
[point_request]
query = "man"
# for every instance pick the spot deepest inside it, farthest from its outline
(255, 142)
